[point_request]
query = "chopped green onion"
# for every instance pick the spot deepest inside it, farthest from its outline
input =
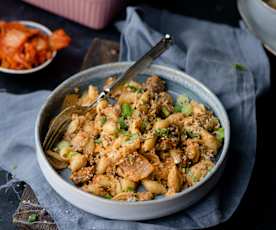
(135, 88)
(132, 138)
(32, 218)
(177, 108)
(109, 197)
(130, 189)
(240, 67)
(126, 110)
(71, 154)
(182, 100)
(122, 123)
(103, 119)
(98, 141)
(194, 179)
(220, 134)
(165, 111)
(164, 132)
(183, 105)
(191, 134)
(144, 125)
(62, 144)
(140, 90)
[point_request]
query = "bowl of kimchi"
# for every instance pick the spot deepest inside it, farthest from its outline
(27, 47)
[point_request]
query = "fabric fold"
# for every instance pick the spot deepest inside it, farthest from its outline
(229, 61)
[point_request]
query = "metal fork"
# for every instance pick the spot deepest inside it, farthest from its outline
(62, 120)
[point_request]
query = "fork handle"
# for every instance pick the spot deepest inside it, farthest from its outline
(142, 63)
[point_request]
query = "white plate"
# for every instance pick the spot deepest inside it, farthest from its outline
(45, 30)
(260, 19)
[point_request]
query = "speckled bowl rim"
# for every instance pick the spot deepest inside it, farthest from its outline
(45, 30)
(78, 191)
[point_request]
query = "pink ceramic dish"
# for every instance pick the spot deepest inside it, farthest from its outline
(95, 14)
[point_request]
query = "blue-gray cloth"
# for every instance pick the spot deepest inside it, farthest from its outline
(230, 61)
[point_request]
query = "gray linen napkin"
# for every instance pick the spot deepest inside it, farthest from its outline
(228, 60)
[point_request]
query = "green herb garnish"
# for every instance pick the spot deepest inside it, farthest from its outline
(126, 110)
(220, 134)
(194, 179)
(140, 90)
(164, 132)
(130, 189)
(103, 119)
(122, 123)
(71, 154)
(98, 141)
(239, 67)
(183, 105)
(132, 138)
(144, 125)
(165, 111)
(191, 134)
(135, 89)
(109, 197)
(32, 218)
(62, 144)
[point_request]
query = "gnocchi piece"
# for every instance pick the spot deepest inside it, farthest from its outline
(135, 167)
(210, 141)
(110, 128)
(198, 171)
(175, 180)
(127, 98)
(161, 124)
(77, 161)
(80, 140)
(192, 150)
(154, 187)
(198, 109)
(176, 155)
(102, 165)
(149, 143)
(127, 185)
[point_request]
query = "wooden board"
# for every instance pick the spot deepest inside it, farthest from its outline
(100, 52)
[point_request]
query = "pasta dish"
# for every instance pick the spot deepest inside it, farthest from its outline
(144, 145)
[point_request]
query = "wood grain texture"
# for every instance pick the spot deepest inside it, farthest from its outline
(101, 51)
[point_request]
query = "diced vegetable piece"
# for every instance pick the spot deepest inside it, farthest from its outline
(109, 197)
(239, 67)
(62, 144)
(162, 132)
(220, 134)
(32, 218)
(122, 123)
(182, 100)
(98, 141)
(183, 105)
(103, 119)
(126, 110)
(165, 111)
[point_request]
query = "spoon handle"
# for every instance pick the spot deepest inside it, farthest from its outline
(142, 63)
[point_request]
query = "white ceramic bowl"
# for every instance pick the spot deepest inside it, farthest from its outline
(45, 30)
(260, 18)
(177, 83)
